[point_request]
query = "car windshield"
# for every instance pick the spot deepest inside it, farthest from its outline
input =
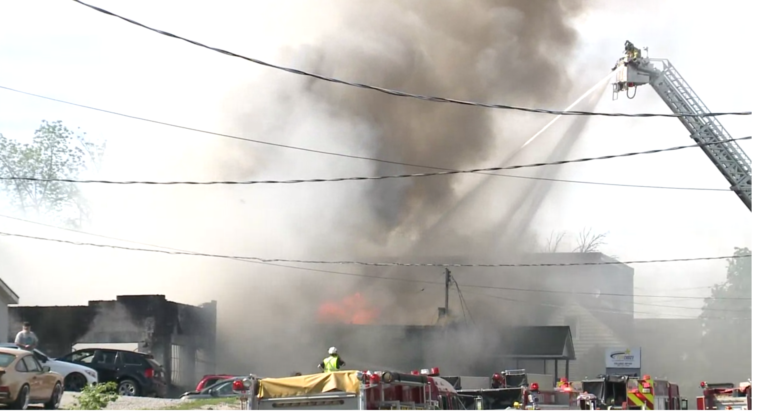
(222, 384)
(6, 359)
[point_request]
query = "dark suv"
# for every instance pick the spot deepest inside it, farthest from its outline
(136, 374)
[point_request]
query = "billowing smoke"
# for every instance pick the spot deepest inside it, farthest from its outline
(490, 51)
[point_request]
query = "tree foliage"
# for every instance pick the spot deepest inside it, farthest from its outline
(726, 317)
(54, 152)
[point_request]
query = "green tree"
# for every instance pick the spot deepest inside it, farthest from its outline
(726, 319)
(54, 152)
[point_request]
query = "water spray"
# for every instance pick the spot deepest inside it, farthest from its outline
(448, 213)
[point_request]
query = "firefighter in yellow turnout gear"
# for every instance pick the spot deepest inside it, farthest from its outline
(631, 51)
(333, 362)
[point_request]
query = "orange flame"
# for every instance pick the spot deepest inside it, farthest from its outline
(353, 309)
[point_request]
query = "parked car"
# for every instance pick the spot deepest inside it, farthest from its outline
(221, 389)
(76, 377)
(211, 379)
(136, 374)
(23, 381)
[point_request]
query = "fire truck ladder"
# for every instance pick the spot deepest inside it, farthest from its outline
(728, 157)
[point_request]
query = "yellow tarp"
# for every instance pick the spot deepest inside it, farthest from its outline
(343, 381)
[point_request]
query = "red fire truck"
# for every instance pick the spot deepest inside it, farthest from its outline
(512, 388)
(725, 396)
(626, 393)
(352, 390)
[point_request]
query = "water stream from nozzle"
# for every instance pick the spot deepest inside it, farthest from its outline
(480, 185)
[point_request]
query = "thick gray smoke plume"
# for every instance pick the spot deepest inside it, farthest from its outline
(510, 51)
(486, 50)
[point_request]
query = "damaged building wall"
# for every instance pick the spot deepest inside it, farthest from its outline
(181, 337)
(456, 349)
(7, 297)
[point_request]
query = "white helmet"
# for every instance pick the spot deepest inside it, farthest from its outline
(332, 350)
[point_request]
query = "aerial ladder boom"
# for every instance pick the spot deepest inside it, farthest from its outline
(635, 70)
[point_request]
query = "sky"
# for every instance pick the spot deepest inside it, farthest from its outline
(69, 52)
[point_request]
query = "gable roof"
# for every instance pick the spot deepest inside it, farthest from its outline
(538, 342)
(7, 294)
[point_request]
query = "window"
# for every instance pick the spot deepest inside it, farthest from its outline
(175, 364)
(211, 381)
(32, 364)
(573, 323)
(130, 358)
(6, 359)
(21, 366)
(85, 357)
(105, 357)
(40, 356)
(225, 388)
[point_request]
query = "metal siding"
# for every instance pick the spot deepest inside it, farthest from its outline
(592, 333)
(5, 328)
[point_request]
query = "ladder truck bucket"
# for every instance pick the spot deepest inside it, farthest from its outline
(629, 73)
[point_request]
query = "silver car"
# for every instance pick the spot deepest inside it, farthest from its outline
(221, 389)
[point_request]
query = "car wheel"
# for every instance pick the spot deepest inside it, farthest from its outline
(128, 388)
(22, 400)
(53, 403)
(75, 382)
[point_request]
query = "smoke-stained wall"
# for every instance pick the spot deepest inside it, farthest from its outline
(153, 323)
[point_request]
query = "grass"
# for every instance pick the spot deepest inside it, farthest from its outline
(199, 404)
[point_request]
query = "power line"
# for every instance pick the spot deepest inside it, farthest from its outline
(599, 310)
(401, 93)
(381, 177)
(463, 302)
(394, 279)
(349, 262)
(337, 154)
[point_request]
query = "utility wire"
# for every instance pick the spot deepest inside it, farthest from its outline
(381, 177)
(383, 264)
(393, 279)
(337, 154)
(464, 305)
(599, 310)
(400, 93)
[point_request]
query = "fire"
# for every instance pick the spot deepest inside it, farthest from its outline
(353, 309)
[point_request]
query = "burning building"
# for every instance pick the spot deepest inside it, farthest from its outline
(555, 319)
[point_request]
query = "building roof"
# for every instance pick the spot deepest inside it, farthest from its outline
(573, 257)
(7, 294)
(538, 342)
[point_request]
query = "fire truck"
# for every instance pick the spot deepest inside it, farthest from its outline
(626, 393)
(512, 388)
(352, 390)
(725, 396)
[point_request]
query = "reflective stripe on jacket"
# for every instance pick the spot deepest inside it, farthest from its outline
(331, 364)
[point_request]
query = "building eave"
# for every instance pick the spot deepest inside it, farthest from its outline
(8, 293)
